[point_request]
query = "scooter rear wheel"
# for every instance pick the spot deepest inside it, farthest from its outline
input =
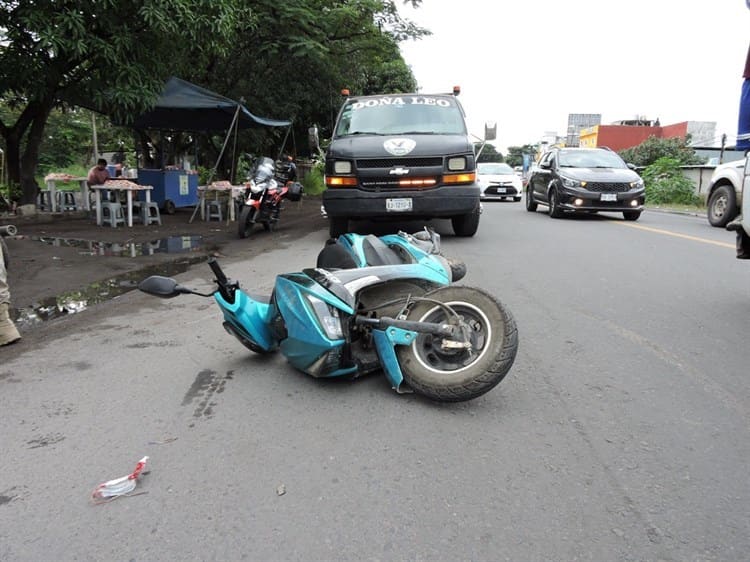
(246, 224)
(454, 374)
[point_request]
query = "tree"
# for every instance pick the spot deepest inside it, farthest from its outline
(295, 61)
(112, 56)
(653, 148)
(515, 154)
(109, 55)
(489, 153)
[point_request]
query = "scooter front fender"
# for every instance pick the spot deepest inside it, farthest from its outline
(385, 346)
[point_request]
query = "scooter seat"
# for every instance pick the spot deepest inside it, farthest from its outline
(378, 252)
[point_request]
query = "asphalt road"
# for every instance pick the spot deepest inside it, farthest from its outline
(619, 434)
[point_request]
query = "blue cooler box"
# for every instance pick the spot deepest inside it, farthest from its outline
(172, 188)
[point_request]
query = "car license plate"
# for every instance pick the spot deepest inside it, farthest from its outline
(609, 196)
(397, 205)
(501, 190)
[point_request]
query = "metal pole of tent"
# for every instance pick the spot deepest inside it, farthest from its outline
(213, 170)
(283, 144)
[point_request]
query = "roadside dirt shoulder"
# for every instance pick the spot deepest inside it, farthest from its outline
(54, 255)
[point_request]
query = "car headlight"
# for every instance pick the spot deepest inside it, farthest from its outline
(342, 167)
(637, 184)
(328, 316)
(569, 182)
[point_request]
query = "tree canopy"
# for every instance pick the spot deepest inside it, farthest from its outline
(286, 59)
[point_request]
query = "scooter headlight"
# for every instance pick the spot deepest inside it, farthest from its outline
(328, 317)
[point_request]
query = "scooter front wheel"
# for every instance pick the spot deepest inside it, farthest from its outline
(446, 371)
(246, 223)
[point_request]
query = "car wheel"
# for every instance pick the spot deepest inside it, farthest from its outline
(530, 203)
(631, 215)
(466, 225)
(555, 211)
(722, 206)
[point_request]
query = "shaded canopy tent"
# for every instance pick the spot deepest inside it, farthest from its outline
(184, 106)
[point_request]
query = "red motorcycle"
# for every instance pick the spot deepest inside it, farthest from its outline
(264, 194)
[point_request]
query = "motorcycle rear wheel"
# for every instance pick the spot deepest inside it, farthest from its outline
(246, 224)
(455, 375)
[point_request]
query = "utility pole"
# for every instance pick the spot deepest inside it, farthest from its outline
(723, 144)
(96, 142)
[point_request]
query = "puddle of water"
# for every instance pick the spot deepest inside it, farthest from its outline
(169, 245)
(77, 301)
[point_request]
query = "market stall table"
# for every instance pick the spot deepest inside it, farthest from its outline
(120, 185)
(218, 188)
(51, 180)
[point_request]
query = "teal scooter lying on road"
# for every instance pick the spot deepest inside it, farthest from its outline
(374, 303)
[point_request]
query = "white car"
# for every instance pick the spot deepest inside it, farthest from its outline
(497, 180)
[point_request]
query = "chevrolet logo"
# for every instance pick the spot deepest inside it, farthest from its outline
(399, 171)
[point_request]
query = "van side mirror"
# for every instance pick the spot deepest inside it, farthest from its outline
(312, 139)
(490, 130)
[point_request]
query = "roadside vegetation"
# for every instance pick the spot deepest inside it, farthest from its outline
(660, 160)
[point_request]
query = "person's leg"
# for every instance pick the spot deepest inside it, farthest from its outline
(743, 245)
(8, 331)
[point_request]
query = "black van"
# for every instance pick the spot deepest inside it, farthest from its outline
(402, 157)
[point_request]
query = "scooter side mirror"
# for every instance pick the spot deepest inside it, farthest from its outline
(162, 287)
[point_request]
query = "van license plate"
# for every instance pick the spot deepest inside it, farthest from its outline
(609, 196)
(403, 204)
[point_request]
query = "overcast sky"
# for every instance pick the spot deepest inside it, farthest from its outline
(527, 64)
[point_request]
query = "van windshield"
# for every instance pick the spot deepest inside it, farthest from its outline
(401, 115)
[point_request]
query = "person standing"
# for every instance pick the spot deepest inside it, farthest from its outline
(8, 331)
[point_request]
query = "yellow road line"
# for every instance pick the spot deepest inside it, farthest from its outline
(676, 234)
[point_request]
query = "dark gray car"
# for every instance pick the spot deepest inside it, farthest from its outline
(585, 180)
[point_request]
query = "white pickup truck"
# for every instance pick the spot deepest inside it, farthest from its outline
(724, 194)
(742, 224)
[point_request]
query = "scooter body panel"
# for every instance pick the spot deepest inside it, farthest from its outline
(305, 307)
(354, 244)
(250, 317)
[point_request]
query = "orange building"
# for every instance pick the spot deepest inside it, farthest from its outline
(620, 137)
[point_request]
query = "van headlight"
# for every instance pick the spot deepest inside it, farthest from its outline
(328, 317)
(456, 163)
(342, 167)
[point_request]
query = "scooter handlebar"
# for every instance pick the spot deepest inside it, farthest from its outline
(221, 279)
(8, 230)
